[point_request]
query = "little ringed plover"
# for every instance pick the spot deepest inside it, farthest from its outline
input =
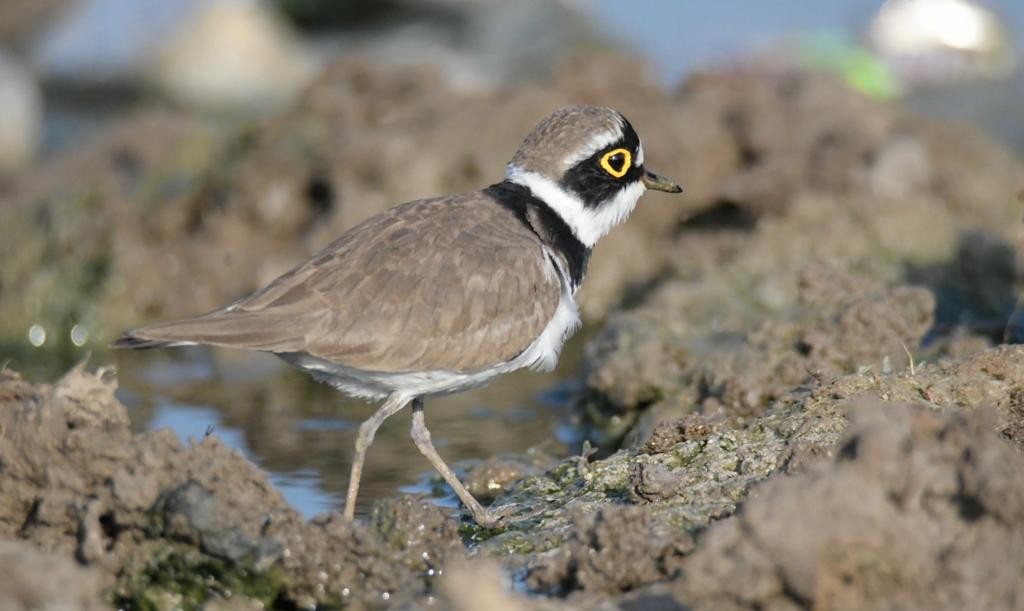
(440, 295)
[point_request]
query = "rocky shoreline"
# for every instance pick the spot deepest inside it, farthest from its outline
(804, 382)
(916, 502)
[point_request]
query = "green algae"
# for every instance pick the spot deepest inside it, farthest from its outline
(165, 575)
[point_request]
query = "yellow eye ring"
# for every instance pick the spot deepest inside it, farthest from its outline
(627, 160)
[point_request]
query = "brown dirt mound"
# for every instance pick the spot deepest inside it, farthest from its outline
(31, 580)
(640, 374)
(614, 549)
(919, 510)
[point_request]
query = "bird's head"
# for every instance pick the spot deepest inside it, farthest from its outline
(587, 164)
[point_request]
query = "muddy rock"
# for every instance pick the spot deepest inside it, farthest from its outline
(158, 522)
(668, 522)
(637, 377)
(992, 378)
(696, 472)
(670, 433)
(772, 161)
(857, 323)
(678, 489)
(845, 324)
(419, 533)
(977, 289)
(846, 144)
(651, 483)
(614, 549)
(919, 509)
(191, 513)
(736, 332)
(74, 223)
(479, 584)
(489, 478)
(28, 577)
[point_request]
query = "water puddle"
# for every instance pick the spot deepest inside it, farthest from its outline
(192, 423)
(301, 433)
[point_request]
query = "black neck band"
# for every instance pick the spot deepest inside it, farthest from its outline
(552, 230)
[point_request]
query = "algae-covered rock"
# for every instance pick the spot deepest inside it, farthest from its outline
(582, 517)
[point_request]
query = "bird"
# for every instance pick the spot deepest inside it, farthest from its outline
(441, 295)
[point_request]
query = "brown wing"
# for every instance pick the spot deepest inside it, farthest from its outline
(457, 283)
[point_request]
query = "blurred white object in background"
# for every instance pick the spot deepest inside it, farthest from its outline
(940, 41)
(226, 54)
(233, 54)
(21, 114)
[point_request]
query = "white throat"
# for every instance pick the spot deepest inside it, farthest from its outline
(588, 224)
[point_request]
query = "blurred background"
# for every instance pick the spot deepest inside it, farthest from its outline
(158, 159)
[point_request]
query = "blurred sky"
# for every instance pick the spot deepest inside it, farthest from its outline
(679, 36)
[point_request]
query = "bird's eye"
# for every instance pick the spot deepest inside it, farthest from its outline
(616, 162)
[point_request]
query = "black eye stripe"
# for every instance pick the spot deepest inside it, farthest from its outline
(592, 183)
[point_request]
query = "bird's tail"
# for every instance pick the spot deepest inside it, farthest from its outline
(230, 328)
(144, 338)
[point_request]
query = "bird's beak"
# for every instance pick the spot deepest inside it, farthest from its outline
(660, 183)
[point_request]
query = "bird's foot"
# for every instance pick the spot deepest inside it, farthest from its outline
(503, 516)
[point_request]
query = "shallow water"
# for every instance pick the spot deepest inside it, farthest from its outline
(301, 433)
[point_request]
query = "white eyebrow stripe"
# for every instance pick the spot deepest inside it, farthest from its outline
(597, 142)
